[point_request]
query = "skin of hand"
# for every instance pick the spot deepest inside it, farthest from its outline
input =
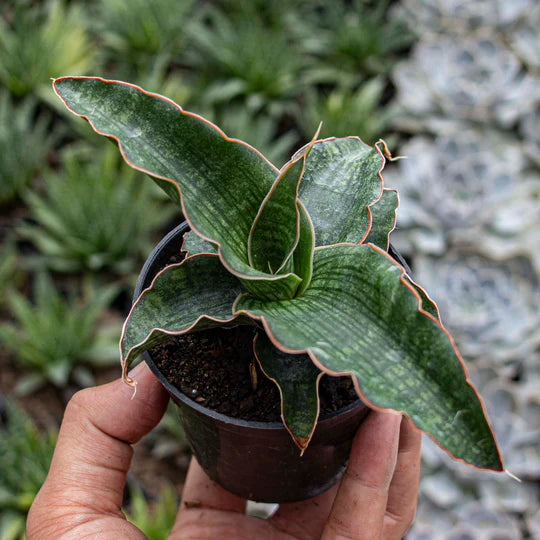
(82, 495)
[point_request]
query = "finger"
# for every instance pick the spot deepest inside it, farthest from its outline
(305, 519)
(200, 491)
(360, 504)
(403, 490)
(93, 451)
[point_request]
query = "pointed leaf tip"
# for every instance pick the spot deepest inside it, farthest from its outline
(298, 382)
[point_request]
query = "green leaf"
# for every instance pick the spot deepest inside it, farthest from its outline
(303, 254)
(359, 316)
(340, 181)
(194, 295)
(383, 219)
(298, 381)
(220, 182)
(275, 230)
(427, 303)
(193, 244)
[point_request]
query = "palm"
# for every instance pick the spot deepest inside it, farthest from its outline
(222, 514)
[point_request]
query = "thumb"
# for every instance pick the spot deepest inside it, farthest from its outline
(93, 452)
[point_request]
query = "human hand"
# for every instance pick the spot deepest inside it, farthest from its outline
(82, 495)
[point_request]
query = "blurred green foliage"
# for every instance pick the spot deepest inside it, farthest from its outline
(40, 40)
(26, 139)
(137, 33)
(343, 112)
(25, 455)
(154, 519)
(91, 212)
(248, 60)
(9, 277)
(352, 40)
(56, 336)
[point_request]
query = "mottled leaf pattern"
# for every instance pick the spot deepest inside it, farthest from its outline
(339, 183)
(303, 254)
(274, 232)
(344, 308)
(222, 181)
(198, 291)
(193, 244)
(297, 379)
(383, 219)
(366, 322)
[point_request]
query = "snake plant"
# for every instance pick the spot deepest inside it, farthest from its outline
(300, 252)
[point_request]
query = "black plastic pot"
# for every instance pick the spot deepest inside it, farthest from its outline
(256, 460)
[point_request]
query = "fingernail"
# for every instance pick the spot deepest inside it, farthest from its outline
(137, 370)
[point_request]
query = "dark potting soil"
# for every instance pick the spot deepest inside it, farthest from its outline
(212, 367)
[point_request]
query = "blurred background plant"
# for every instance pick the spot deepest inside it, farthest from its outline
(453, 85)
(155, 518)
(250, 60)
(351, 41)
(56, 337)
(91, 211)
(39, 40)
(22, 127)
(25, 455)
(134, 35)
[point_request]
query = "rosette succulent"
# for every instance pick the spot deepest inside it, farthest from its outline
(302, 253)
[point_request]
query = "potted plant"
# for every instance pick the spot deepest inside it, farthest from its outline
(301, 254)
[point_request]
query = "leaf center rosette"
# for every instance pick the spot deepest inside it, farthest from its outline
(302, 253)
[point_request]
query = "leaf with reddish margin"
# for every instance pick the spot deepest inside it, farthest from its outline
(303, 254)
(220, 182)
(276, 228)
(360, 316)
(383, 219)
(274, 233)
(196, 294)
(341, 180)
(195, 245)
(427, 303)
(298, 381)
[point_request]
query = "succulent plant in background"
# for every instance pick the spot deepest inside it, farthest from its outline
(154, 518)
(22, 127)
(138, 33)
(35, 43)
(25, 454)
(247, 60)
(95, 215)
(471, 78)
(351, 40)
(9, 277)
(54, 337)
(301, 253)
(459, 17)
(480, 169)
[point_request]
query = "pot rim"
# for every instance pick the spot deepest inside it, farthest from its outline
(175, 233)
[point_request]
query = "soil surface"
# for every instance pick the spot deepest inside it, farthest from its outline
(212, 367)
